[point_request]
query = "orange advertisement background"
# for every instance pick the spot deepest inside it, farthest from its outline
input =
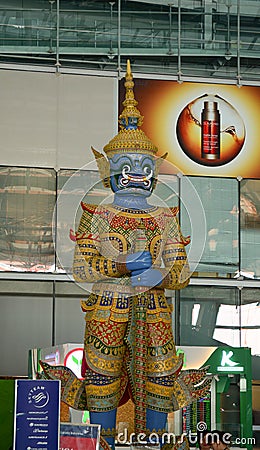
(161, 102)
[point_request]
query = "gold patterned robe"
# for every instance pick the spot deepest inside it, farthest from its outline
(105, 234)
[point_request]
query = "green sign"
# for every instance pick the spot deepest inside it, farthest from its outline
(229, 360)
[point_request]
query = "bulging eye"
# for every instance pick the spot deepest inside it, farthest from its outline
(148, 170)
(126, 168)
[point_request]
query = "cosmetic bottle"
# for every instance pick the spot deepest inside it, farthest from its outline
(210, 131)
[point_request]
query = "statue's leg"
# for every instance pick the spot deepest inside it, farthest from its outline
(107, 420)
(155, 421)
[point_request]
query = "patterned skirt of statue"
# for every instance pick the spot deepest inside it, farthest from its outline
(111, 352)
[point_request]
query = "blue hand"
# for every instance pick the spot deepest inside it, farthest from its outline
(139, 261)
(146, 278)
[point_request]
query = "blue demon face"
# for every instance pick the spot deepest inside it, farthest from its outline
(132, 173)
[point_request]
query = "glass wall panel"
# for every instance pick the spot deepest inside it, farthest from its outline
(74, 186)
(217, 205)
(166, 192)
(250, 319)
(225, 29)
(209, 316)
(196, 39)
(145, 26)
(91, 25)
(23, 26)
(25, 323)
(27, 197)
(209, 213)
(250, 228)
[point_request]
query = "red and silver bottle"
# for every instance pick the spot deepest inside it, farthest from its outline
(210, 131)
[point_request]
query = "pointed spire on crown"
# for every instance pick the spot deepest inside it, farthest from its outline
(130, 111)
(130, 139)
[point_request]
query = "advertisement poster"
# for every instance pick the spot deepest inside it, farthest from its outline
(79, 436)
(36, 417)
(206, 129)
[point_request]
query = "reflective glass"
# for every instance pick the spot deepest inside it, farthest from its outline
(27, 198)
(250, 228)
(213, 213)
(166, 192)
(209, 316)
(209, 39)
(74, 186)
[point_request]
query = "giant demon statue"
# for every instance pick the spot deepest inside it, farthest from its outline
(132, 251)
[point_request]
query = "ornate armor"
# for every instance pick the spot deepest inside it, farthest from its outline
(132, 251)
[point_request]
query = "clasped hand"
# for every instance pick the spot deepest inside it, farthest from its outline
(142, 273)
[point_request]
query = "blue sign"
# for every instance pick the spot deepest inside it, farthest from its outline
(36, 418)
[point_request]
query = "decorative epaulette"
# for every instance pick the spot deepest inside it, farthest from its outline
(186, 240)
(174, 210)
(88, 207)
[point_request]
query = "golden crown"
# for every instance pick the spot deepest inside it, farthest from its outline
(130, 138)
